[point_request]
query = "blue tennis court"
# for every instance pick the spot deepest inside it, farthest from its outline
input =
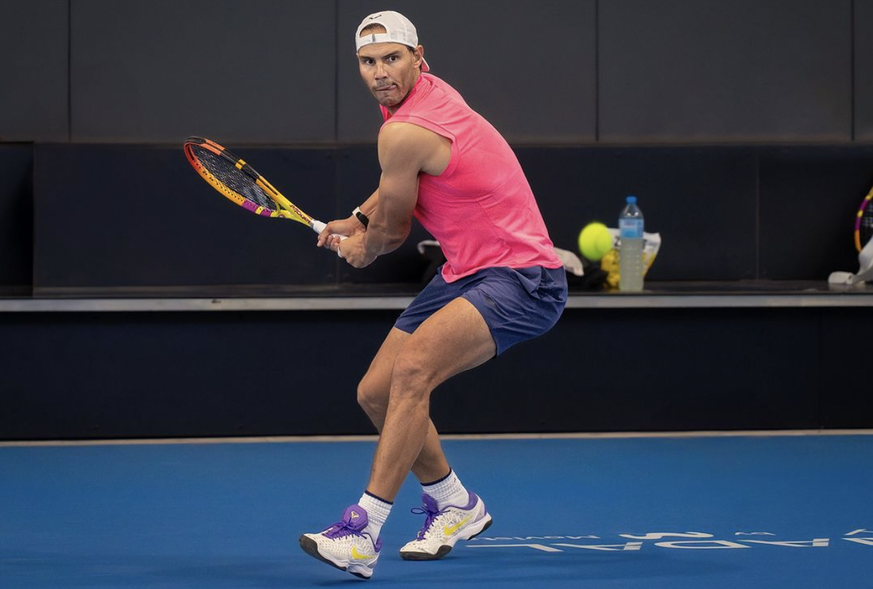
(722, 511)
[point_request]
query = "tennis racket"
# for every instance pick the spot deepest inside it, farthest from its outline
(864, 222)
(241, 184)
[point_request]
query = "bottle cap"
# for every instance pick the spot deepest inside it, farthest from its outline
(631, 200)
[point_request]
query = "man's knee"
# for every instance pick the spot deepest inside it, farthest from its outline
(412, 376)
(372, 396)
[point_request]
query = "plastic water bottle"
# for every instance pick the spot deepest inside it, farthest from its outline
(630, 259)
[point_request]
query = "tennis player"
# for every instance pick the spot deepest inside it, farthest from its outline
(501, 284)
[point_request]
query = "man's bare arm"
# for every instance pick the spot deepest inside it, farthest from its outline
(404, 151)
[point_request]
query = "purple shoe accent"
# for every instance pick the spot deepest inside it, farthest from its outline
(354, 521)
(429, 508)
(429, 503)
(470, 504)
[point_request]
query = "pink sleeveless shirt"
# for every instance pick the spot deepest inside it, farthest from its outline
(481, 208)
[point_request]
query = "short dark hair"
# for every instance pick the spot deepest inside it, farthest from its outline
(373, 28)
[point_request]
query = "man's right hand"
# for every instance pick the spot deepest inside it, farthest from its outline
(348, 227)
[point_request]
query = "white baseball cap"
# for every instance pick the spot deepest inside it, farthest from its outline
(398, 29)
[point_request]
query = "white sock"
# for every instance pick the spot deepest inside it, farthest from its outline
(377, 512)
(448, 491)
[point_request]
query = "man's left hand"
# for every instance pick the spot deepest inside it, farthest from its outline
(352, 251)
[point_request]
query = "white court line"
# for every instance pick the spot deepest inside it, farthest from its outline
(374, 438)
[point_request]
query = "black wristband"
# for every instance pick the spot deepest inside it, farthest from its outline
(364, 219)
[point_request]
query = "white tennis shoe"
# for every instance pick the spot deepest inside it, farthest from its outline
(444, 527)
(345, 545)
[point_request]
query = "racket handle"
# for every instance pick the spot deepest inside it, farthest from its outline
(318, 227)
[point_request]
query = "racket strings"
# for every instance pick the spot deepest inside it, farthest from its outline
(237, 181)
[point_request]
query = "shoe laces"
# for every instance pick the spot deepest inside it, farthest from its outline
(341, 529)
(432, 514)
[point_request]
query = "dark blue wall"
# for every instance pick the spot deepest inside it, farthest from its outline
(683, 103)
(544, 72)
(16, 218)
(111, 217)
(217, 374)
(745, 127)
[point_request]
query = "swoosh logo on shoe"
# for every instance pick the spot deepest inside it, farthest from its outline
(449, 530)
(358, 556)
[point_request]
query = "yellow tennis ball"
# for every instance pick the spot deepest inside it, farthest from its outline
(595, 241)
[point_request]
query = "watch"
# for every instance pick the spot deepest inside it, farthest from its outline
(364, 219)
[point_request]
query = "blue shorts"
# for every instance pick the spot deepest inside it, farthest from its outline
(517, 304)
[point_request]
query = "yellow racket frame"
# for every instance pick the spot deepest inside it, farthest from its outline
(286, 210)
